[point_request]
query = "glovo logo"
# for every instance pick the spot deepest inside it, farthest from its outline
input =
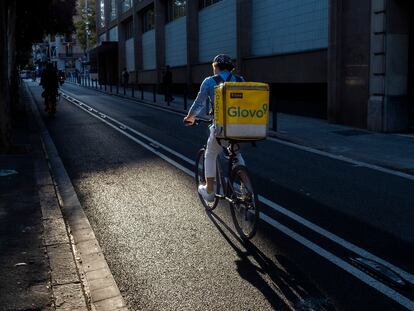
(246, 113)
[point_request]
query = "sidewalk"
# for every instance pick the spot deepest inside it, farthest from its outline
(37, 266)
(391, 151)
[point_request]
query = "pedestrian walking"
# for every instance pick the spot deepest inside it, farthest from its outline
(125, 77)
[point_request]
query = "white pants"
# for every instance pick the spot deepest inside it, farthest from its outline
(213, 149)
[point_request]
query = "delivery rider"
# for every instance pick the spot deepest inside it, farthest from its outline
(222, 68)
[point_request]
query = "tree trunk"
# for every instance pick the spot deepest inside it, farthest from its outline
(5, 124)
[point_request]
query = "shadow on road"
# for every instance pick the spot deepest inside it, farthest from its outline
(283, 285)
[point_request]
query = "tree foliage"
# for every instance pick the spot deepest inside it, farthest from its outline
(37, 18)
(22, 23)
(86, 27)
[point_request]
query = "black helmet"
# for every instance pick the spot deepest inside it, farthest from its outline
(223, 59)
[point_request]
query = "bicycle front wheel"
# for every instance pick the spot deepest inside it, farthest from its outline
(244, 209)
(199, 172)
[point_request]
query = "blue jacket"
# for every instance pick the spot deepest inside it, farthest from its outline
(205, 97)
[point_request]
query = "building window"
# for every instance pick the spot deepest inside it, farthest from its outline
(126, 5)
(129, 29)
(102, 38)
(113, 10)
(205, 3)
(176, 9)
(102, 13)
(148, 19)
(69, 50)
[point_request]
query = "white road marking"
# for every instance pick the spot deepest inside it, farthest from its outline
(329, 235)
(343, 158)
(382, 288)
(362, 276)
(305, 148)
(334, 238)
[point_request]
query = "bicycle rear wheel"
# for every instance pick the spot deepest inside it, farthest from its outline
(244, 210)
(201, 180)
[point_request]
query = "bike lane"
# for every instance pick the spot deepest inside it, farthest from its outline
(365, 206)
(276, 241)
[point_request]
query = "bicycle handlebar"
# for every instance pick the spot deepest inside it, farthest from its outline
(197, 122)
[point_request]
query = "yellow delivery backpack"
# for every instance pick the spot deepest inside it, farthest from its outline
(241, 110)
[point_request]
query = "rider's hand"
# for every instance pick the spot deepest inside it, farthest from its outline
(189, 119)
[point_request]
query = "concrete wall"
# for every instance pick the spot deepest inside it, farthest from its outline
(280, 26)
(217, 30)
(349, 62)
(176, 42)
(130, 54)
(148, 50)
(388, 107)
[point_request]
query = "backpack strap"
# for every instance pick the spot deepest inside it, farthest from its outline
(218, 79)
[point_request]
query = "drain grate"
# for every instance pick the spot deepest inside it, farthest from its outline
(351, 132)
(379, 271)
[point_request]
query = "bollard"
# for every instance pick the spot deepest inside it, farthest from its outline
(110, 88)
(117, 88)
(142, 92)
(132, 90)
(168, 99)
(185, 98)
(154, 94)
(274, 112)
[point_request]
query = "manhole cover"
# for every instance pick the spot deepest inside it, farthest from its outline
(351, 132)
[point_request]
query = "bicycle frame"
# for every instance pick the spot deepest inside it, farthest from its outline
(223, 180)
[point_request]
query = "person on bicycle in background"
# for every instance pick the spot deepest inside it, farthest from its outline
(50, 82)
(203, 104)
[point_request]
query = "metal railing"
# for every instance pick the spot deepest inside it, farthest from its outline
(148, 93)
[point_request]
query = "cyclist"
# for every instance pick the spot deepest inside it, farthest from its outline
(50, 83)
(222, 68)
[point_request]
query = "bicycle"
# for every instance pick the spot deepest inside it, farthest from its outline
(233, 185)
(51, 100)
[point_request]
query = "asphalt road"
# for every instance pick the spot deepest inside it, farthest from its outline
(167, 253)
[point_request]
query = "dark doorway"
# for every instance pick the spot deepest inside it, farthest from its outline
(411, 66)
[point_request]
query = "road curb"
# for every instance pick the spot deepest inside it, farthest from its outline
(135, 99)
(98, 282)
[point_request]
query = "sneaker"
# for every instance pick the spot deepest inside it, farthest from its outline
(208, 197)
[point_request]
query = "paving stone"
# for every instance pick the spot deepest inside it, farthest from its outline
(55, 231)
(93, 262)
(110, 304)
(100, 283)
(62, 264)
(69, 297)
(104, 293)
(88, 247)
(78, 223)
(49, 203)
(82, 235)
(98, 274)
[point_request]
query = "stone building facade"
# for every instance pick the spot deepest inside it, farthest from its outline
(348, 61)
